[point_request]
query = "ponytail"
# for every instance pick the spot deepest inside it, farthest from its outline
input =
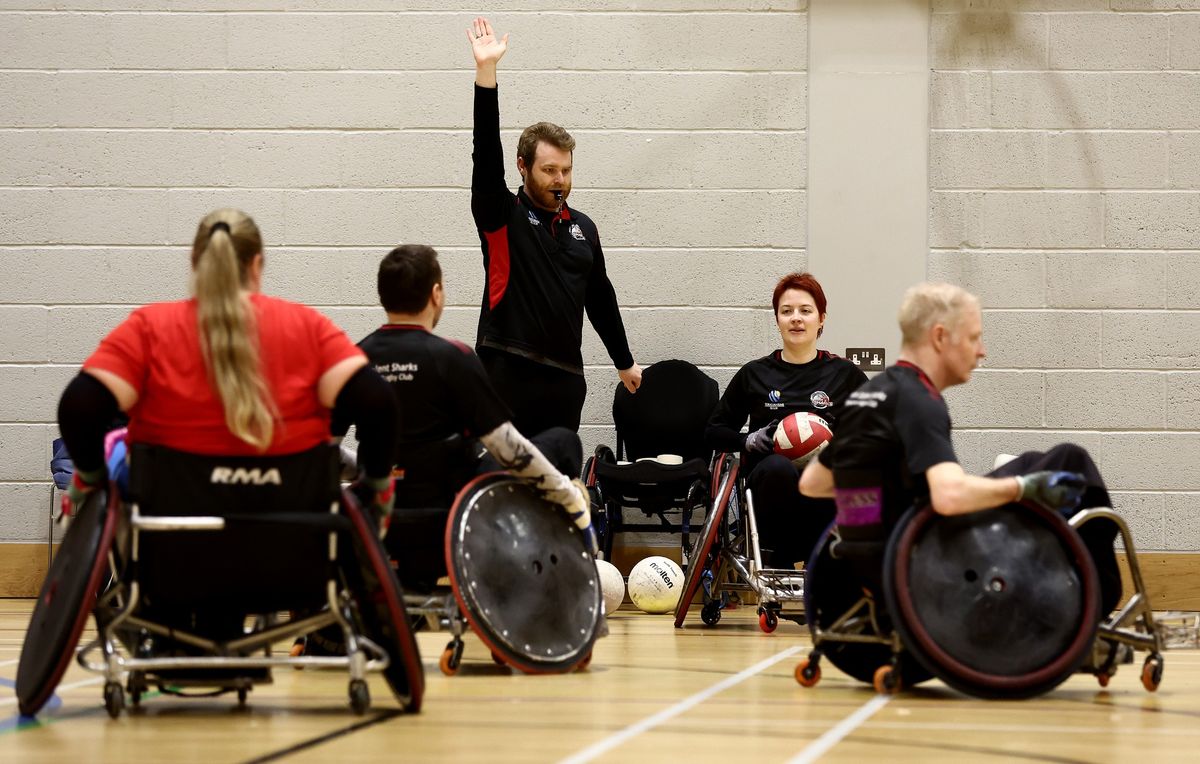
(225, 245)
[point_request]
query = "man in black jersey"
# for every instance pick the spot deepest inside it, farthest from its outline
(893, 446)
(443, 391)
(544, 265)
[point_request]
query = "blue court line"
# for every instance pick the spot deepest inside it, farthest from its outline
(18, 721)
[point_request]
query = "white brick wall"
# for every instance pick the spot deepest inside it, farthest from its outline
(1065, 190)
(343, 126)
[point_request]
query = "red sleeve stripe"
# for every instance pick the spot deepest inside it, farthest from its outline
(497, 242)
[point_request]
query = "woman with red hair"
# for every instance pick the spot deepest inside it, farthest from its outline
(797, 377)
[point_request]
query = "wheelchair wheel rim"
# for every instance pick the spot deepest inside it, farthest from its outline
(989, 658)
(522, 576)
(712, 524)
(62, 607)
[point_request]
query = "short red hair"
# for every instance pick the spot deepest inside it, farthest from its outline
(804, 281)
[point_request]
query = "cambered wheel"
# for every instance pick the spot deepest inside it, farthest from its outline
(583, 664)
(114, 699)
(497, 659)
(1152, 671)
(768, 621)
(711, 613)
(808, 673)
(887, 680)
(451, 658)
(360, 696)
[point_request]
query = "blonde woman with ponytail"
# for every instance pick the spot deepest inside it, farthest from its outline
(230, 372)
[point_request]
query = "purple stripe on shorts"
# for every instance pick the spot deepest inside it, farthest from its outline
(859, 506)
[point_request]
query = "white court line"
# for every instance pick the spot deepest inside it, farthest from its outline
(633, 730)
(821, 745)
(60, 688)
(9, 663)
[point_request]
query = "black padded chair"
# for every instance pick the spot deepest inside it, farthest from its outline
(667, 415)
(207, 543)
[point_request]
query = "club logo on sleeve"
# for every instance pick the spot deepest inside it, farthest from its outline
(820, 399)
(576, 231)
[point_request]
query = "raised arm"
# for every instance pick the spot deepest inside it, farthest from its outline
(490, 197)
(487, 49)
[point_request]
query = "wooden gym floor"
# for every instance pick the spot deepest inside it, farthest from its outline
(652, 693)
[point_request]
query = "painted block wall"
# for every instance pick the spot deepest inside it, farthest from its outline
(1064, 191)
(343, 127)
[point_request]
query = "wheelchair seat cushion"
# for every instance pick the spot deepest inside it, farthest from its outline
(649, 472)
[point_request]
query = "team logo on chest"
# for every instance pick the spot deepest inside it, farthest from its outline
(576, 231)
(820, 399)
(533, 219)
(774, 399)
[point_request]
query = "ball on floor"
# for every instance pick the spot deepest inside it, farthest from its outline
(612, 584)
(655, 584)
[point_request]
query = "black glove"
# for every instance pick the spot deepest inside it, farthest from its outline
(762, 441)
(1053, 490)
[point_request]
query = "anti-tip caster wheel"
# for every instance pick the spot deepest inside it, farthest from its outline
(768, 621)
(887, 680)
(1152, 671)
(114, 699)
(360, 696)
(808, 673)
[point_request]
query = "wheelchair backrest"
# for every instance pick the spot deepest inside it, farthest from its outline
(429, 473)
(669, 412)
(257, 558)
(164, 481)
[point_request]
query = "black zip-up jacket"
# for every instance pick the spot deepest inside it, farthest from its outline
(543, 269)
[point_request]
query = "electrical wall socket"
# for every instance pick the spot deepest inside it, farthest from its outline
(867, 359)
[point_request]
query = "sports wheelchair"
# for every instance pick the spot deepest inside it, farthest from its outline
(666, 417)
(728, 559)
(520, 575)
(204, 544)
(1004, 603)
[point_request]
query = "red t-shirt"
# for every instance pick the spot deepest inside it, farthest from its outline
(157, 351)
